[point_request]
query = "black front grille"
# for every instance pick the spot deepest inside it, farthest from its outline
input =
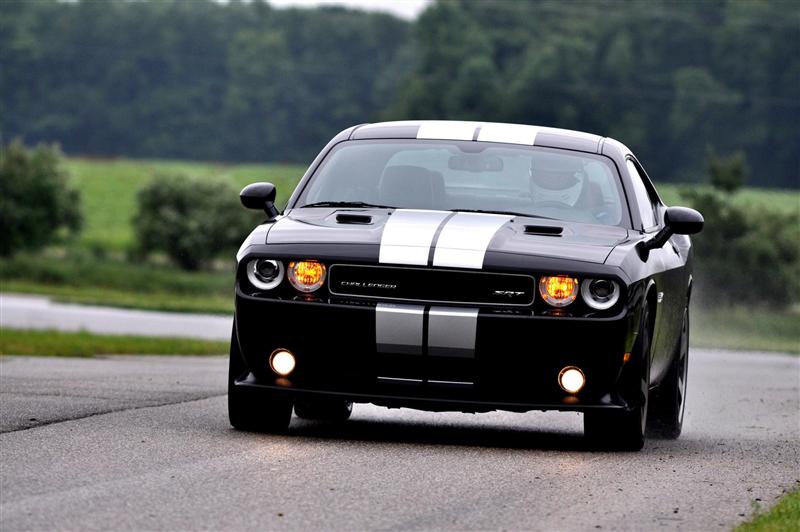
(431, 285)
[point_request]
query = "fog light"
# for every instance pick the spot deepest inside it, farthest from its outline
(571, 379)
(282, 362)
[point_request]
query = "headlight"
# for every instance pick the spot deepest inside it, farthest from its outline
(558, 290)
(265, 274)
(306, 275)
(600, 294)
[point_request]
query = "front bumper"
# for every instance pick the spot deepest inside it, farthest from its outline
(514, 366)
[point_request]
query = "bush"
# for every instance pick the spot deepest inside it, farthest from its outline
(37, 206)
(744, 256)
(191, 220)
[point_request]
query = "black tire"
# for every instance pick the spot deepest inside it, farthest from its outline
(252, 409)
(324, 409)
(669, 400)
(624, 430)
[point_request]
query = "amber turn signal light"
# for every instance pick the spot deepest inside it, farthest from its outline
(306, 275)
(558, 290)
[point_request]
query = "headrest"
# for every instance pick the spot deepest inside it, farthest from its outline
(407, 186)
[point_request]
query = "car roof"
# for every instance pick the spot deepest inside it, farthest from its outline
(481, 132)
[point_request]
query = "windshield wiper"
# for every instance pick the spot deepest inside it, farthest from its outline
(346, 204)
(510, 213)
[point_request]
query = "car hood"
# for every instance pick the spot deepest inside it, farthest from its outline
(457, 236)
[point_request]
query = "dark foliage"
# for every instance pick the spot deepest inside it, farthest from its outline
(200, 80)
(744, 256)
(243, 81)
(37, 206)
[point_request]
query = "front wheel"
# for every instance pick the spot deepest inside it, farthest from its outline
(669, 400)
(624, 430)
(616, 431)
(252, 409)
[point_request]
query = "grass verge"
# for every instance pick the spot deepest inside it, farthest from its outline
(748, 329)
(783, 517)
(83, 344)
(166, 301)
(79, 278)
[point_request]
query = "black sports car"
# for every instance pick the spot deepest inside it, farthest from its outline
(466, 266)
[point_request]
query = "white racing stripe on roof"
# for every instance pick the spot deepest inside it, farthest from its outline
(465, 238)
(408, 234)
(509, 133)
(447, 130)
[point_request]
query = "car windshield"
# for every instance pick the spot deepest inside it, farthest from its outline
(468, 176)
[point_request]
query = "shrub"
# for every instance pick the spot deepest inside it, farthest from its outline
(191, 220)
(37, 206)
(744, 255)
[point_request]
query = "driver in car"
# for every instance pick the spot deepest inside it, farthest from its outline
(552, 181)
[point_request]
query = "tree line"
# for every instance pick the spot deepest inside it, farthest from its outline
(242, 81)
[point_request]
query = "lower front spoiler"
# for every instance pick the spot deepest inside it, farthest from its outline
(431, 403)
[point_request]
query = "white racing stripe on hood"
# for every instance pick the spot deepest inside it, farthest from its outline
(408, 235)
(465, 238)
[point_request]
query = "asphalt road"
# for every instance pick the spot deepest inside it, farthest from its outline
(144, 443)
(40, 312)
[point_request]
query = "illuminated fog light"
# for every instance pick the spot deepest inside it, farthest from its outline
(282, 362)
(571, 379)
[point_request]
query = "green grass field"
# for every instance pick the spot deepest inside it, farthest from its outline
(95, 268)
(83, 344)
(108, 190)
(756, 198)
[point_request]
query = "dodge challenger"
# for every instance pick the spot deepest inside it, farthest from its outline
(466, 266)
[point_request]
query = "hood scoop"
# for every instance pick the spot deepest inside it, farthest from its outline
(353, 219)
(543, 230)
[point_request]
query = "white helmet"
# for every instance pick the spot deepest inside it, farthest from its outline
(556, 178)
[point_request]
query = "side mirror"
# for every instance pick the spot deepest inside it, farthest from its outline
(683, 220)
(260, 196)
(677, 221)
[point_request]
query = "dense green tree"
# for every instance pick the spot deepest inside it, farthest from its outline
(37, 205)
(189, 220)
(670, 79)
(244, 81)
(201, 79)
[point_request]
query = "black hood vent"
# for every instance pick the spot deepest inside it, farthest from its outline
(544, 230)
(356, 219)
